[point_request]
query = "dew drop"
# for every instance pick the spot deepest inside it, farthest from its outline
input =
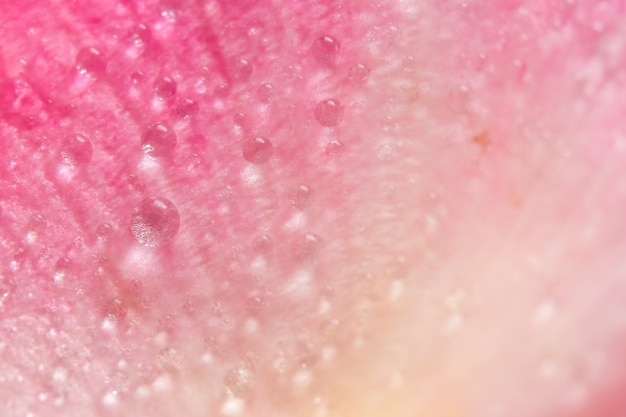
(221, 90)
(241, 69)
(141, 35)
(115, 310)
(325, 50)
(329, 112)
(76, 150)
(334, 147)
(104, 231)
(240, 119)
(358, 74)
(137, 77)
(265, 92)
(263, 244)
(63, 265)
(165, 87)
(257, 150)
(158, 141)
(307, 246)
(155, 222)
(90, 60)
(187, 108)
(302, 197)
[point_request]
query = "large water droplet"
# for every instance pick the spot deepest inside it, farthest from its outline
(165, 87)
(325, 50)
(90, 60)
(358, 74)
(257, 150)
(329, 112)
(187, 108)
(76, 150)
(155, 222)
(158, 141)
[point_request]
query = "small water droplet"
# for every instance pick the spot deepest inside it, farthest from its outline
(76, 150)
(257, 150)
(90, 60)
(325, 50)
(265, 92)
(302, 197)
(221, 91)
(307, 246)
(155, 222)
(115, 310)
(137, 77)
(263, 244)
(329, 112)
(165, 87)
(63, 265)
(241, 69)
(187, 108)
(334, 147)
(358, 74)
(141, 35)
(239, 119)
(158, 141)
(104, 231)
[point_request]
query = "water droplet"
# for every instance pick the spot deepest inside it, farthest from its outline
(302, 197)
(239, 119)
(141, 35)
(187, 108)
(307, 246)
(334, 147)
(358, 74)
(165, 87)
(329, 112)
(263, 244)
(76, 150)
(104, 231)
(241, 69)
(257, 150)
(115, 310)
(90, 60)
(265, 92)
(137, 77)
(155, 222)
(221, 90)
(158, 141)
(325, 50)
